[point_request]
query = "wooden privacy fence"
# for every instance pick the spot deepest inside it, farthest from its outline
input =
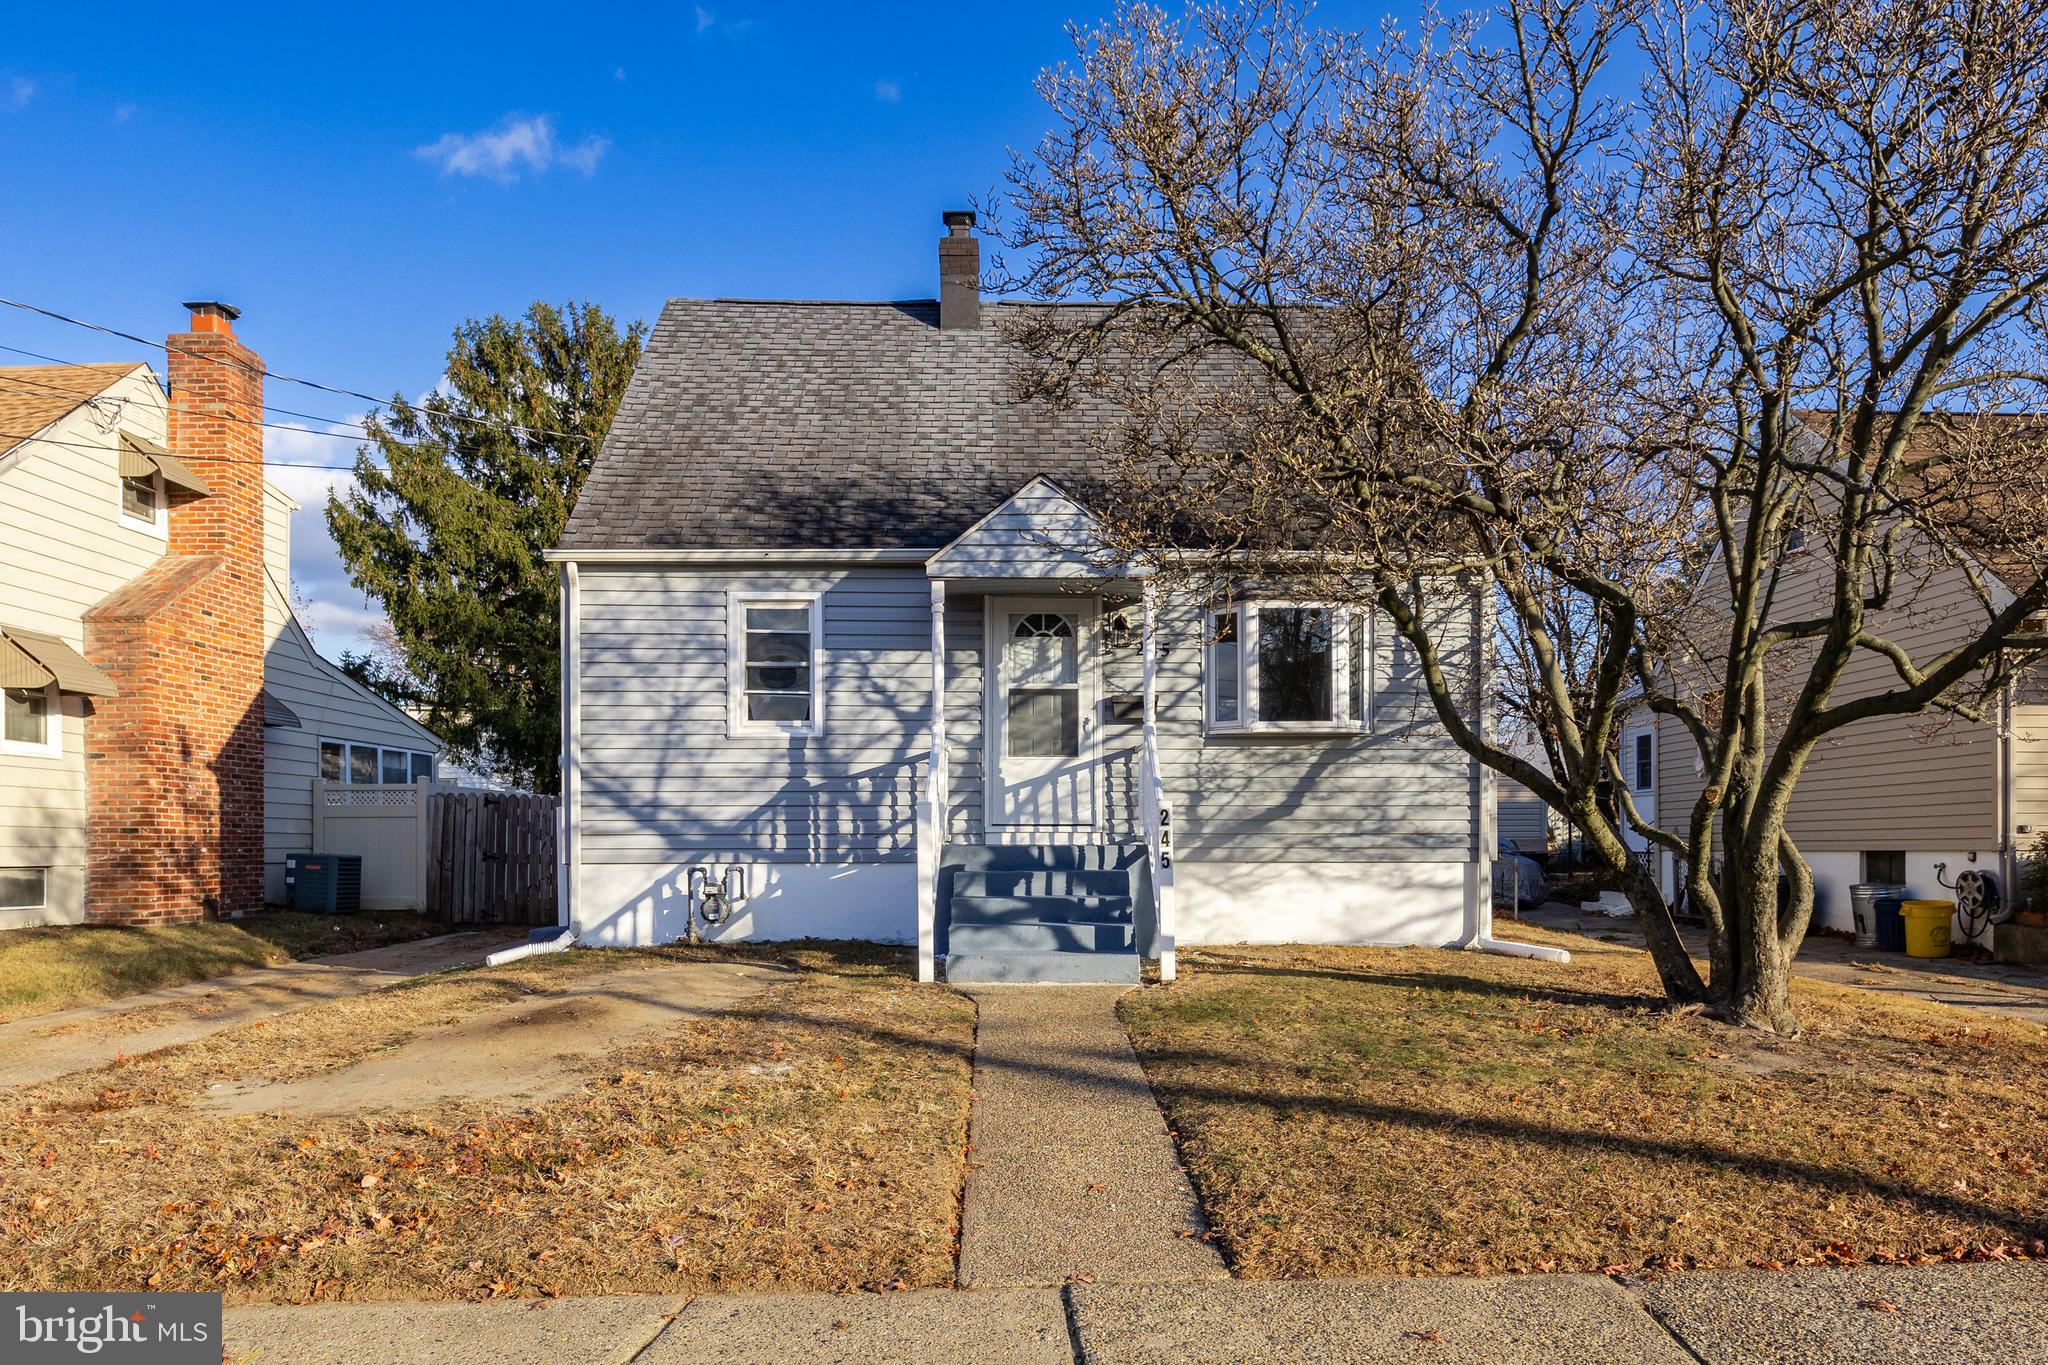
(491, 857)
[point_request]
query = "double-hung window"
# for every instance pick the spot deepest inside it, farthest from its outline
(773, 676)
(1643, 762)
(1288, 666)
(32, 728)
(143, 504)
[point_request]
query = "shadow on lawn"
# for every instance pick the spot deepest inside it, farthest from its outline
(1459, 983)
(1086, 1064)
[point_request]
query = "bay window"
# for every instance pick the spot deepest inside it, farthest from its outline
(1288, 666)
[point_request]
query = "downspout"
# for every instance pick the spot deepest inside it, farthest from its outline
(2008, 800)
(1485, 801)
(569, 826)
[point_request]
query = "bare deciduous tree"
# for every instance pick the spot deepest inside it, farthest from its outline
(1696, 373)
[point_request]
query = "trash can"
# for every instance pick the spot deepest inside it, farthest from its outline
(1891, 925)
(1927, 927)
(1863, 906)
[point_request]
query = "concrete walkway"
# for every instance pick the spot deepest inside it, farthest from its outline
(45, 1046)
(1071, 1173)
(1965, 1314)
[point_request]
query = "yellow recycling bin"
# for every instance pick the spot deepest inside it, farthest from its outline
(1927, 927)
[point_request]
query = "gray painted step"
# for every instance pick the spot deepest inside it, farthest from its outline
(1041, 909)
(1112, 881)
(1041, 937)
(991, 857)
(1063, 968)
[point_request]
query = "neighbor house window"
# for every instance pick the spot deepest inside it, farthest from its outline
(369, 763)
(24, 888)
(1645, 763)
(1288, 666)
(31, 722)
(774, 675)
(142, 501)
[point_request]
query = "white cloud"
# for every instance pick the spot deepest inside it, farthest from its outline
(619, 74)
(705, 18)
(123, 112)
(20, 91)
(515, 146)
(888, 92)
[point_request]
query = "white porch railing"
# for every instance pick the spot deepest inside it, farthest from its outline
(1158, 811)
(931, 811)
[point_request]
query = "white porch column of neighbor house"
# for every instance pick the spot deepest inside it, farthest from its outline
(1158, 815)
(931, 814)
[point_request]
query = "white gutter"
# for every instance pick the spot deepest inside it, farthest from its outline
(765, 555)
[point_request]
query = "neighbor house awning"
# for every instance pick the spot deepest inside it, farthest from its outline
(29, 658)
(278, 716)
(140, 458)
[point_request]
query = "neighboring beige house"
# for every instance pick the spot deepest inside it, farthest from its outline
(1907, 799)
(89, 491)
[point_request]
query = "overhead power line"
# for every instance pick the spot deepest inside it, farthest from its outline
(36, 439)
(267, 407)
(372, 399)
(355, 434)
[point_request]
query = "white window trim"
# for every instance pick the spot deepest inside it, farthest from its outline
(1247, 613)
(42, 904)
(737, 724)
(1635, 739)
(157, 525)
(52, 745)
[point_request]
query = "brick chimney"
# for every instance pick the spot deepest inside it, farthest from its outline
(959, 272)
(174, 764)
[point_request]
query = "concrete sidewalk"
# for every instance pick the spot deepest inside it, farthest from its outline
(1070, 1172)
(45, 1046)
(1994, 1314)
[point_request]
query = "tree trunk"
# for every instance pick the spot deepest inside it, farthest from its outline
(1753, 988)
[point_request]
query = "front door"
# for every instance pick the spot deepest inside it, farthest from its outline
(1041, 709)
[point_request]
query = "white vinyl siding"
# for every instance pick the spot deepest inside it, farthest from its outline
(63, 547)
(332, 708)
(664, 779)
(665, 782)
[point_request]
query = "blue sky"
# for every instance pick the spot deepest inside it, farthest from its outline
(359, 180)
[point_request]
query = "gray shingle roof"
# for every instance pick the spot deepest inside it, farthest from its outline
(754, 425)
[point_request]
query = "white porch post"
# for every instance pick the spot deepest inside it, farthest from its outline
(1158, 813)
(931, 814)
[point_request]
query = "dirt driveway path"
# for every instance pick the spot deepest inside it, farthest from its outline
(525, 1051)
(46, 1046)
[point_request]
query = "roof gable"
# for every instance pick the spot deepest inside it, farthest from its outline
(1038, 532)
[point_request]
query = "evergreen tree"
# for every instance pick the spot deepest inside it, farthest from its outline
(457, 497)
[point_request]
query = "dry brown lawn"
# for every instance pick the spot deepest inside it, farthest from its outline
(810, 1137)
(57, 966)
(1412, 1111)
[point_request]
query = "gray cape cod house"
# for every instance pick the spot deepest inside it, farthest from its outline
(830, 643)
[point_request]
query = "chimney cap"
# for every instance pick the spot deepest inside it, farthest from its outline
(213, 308)
(960, 221)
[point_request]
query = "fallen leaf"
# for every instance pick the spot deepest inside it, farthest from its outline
(1427, 1334)
(1880, 1306)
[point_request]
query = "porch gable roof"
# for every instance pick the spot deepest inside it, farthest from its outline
(1036, 533)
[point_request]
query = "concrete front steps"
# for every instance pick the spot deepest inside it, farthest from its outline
(1042, 912)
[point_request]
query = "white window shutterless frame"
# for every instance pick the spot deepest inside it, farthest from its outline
(774, 648)
(1040, 702)
(1279, 667)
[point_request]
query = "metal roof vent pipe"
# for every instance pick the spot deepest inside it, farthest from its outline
(959, 272)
